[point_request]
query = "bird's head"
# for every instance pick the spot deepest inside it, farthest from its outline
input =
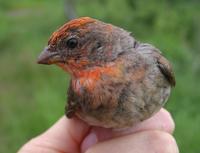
(85, 42)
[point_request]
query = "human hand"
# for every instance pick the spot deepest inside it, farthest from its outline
(75, 136)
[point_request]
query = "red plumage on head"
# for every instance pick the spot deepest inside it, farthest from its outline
(73, 24)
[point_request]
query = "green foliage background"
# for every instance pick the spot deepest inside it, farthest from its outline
(32, 97)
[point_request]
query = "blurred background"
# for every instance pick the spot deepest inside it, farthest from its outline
(32, 96)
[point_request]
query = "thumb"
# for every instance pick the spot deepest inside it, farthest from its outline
(65, 135)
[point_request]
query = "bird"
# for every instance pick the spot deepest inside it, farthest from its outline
(116, 81)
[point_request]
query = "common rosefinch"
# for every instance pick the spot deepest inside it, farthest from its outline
(116, 81)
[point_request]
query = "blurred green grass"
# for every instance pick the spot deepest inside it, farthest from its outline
(32, 97)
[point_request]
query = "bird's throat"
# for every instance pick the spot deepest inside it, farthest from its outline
(89, 78)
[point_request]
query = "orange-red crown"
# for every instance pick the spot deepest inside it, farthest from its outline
(73, 24)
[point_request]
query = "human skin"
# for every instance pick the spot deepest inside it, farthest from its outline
(75, 136)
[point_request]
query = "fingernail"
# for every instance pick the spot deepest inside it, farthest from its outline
(89, 141)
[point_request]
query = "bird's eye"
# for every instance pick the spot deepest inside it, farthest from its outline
(72, 43)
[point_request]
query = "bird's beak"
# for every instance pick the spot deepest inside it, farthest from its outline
(49, 57)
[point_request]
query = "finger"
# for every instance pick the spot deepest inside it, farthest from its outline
(160, 121)
(141, 142)
(64, 136)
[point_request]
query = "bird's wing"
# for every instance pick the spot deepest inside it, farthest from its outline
(162, 63)
(70, 109)
(166, 69)
(72, 105)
